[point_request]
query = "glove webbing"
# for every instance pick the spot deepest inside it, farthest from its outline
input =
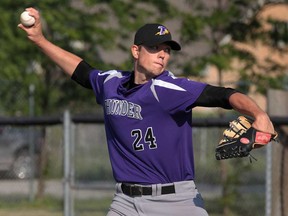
(237, 131)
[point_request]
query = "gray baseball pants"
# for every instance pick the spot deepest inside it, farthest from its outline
(186, 201)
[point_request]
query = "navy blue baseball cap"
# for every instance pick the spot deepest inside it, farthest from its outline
(153, 34)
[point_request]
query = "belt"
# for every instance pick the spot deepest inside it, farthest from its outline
(136, 190)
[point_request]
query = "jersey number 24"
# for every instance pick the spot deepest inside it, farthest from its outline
(148, 139)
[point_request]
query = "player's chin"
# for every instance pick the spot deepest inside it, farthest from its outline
(155, 74)
(154, 71)
(158, 70)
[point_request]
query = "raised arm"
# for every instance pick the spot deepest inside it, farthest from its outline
(64, 59)
(245, 105)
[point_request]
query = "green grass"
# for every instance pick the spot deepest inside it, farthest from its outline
(52, 207)
(248, 205)
(95, 207)
(19, 206)
(29, 212)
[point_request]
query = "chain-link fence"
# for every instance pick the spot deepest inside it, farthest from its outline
(225, 185)
(83, 184)
(31, 159)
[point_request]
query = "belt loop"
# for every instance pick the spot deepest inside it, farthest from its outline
(158, 189)
(154, 190)
(118, 188)
(174, 185)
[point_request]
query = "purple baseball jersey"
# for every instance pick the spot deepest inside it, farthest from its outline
(148, 127)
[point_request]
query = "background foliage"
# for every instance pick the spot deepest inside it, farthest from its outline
(101, 32)
(92, 28)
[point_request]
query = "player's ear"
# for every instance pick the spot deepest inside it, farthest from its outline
(135, 51)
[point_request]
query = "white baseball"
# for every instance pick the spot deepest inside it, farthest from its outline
(26, 19)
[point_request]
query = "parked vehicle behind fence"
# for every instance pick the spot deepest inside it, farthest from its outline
(19, 151)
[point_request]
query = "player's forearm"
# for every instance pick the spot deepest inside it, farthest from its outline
(245, 105)
(64, 59)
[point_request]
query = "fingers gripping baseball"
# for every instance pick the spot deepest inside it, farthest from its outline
(32, 28)
(26, 19)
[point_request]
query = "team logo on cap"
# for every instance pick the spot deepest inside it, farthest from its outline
(162, 30)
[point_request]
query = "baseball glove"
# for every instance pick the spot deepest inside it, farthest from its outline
(240, 138)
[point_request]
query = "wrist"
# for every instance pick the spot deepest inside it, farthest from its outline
(261, 116)
(39, 40)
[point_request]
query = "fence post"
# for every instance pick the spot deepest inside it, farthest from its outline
(268, 192)
(31, 143)
(67, 136)
(277, 169)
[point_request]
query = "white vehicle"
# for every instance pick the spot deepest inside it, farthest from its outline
(19, 152)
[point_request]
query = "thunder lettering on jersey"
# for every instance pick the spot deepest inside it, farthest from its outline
(148, 127)
(122, 108)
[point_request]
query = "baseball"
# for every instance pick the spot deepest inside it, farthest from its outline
(26, 19)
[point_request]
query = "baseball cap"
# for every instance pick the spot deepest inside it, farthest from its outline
(153, 34)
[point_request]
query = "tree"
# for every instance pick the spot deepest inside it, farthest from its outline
(86, 28)
(265, 34)
(224, 25)
(97, 29)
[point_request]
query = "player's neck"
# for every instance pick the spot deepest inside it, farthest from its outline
(131, 83)
(141, 77)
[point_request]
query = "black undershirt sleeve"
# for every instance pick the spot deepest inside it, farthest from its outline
(214, 96)
(81, 74)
